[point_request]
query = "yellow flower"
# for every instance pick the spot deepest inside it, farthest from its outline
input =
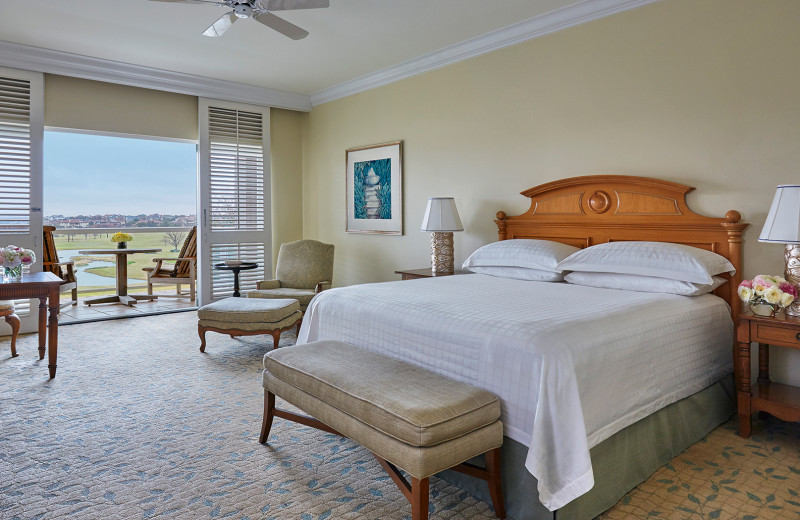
(121, 237)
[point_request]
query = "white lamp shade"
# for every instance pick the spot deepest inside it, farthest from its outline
(783, 221)
(441, 215)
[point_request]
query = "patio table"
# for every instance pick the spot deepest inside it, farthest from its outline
(122, 295)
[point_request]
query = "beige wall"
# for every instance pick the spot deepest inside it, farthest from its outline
(287, 172)
(698, 92)
(81, 104)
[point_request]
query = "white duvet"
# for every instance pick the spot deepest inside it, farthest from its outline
(572, 365)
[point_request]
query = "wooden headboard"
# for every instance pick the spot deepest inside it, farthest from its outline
(583, 211)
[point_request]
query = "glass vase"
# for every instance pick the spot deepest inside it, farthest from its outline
(12, 274)
(766, 310)
(122, 245)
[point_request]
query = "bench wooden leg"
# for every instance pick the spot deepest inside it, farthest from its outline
(269, 415)
(495, 483)
(420, 492)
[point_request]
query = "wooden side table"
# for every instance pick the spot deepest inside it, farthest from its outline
(782, 401)
(411, 274)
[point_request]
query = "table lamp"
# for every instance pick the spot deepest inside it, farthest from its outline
(441, 218)
(783, 227)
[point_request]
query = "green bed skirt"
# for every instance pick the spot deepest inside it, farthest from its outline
(620, 463)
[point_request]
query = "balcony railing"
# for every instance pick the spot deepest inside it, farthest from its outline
(95, 273)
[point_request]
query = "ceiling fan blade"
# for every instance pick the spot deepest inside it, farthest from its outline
(286, 5)
(282, 26)
(219, 27)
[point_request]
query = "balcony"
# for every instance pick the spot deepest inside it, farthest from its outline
(96, 274)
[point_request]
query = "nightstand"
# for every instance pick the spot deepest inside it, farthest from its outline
(782, 401)
(411, 274)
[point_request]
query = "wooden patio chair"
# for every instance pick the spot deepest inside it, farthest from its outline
(64, 270)
(177, 271)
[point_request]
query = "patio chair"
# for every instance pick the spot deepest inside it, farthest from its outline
(64, 270)
(7, 312)
(304, 268)
(177, 271)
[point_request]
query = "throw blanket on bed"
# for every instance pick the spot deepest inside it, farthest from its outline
(572, 365)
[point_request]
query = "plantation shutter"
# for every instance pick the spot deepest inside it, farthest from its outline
(21, 135)
(235, 182)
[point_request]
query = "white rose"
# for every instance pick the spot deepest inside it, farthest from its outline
(773, 295)
(786, 300)
(745, 293)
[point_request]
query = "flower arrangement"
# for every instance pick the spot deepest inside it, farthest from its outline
(12, 258)
(119, 236)
(771, 291)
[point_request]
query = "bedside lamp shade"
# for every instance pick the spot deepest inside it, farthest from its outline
(783, 226)
(441, 218)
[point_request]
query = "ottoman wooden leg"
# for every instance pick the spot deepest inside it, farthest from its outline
(269, 415)
(276, 338)
(202, 332)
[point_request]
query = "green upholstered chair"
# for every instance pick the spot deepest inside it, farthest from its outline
(304, 268)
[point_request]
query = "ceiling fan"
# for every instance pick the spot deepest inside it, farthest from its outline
(260, 11)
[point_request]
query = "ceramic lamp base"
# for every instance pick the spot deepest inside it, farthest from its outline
(792, 275)
(442, 251)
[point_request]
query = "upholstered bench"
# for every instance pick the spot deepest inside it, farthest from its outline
(248, 316)
(408, 417)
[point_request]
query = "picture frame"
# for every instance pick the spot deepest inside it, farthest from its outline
(374, 184)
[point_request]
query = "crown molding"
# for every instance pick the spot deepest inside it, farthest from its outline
(67, 64)
(575, 14)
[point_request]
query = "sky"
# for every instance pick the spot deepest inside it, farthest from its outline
(88, 174)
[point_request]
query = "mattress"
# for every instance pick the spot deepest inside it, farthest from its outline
(572, 364)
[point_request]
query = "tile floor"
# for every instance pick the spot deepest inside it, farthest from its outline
(82, 313)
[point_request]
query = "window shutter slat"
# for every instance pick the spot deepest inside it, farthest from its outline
(15, 156)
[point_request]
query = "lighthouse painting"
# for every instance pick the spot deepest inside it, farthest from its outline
(374, 183)
(372, 189)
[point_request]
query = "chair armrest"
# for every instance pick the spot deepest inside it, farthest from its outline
(321, 286)
(186, 259)
(68, 262)
(268, 284)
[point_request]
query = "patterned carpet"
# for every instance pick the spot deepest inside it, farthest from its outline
(139, 424)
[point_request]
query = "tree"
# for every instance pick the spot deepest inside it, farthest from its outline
(175, 238)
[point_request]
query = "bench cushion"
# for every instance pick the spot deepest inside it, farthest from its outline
(248, 310)
(401, 400)
(419, 462)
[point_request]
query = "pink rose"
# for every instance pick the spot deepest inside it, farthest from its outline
(789, 289)
(746, 283)
(26, 259)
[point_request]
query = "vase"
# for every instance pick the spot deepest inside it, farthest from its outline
(766, 310)
(122, 245)
(12, 274)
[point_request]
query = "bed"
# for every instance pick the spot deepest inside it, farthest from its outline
(599, 386)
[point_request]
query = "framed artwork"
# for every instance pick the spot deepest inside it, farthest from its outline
(375, 189)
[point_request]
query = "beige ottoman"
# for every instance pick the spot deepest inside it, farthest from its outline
(247, 317)
(408, 417)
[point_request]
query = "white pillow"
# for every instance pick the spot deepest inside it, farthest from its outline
(634, 282)
(543, 255)
(661, 259)
(518, 273)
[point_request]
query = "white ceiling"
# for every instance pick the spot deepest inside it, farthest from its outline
(350, 39)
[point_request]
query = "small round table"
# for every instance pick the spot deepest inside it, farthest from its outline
(244, 266)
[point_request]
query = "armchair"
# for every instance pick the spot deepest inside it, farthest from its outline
(304, 268)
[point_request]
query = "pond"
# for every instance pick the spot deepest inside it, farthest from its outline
(87, 279)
